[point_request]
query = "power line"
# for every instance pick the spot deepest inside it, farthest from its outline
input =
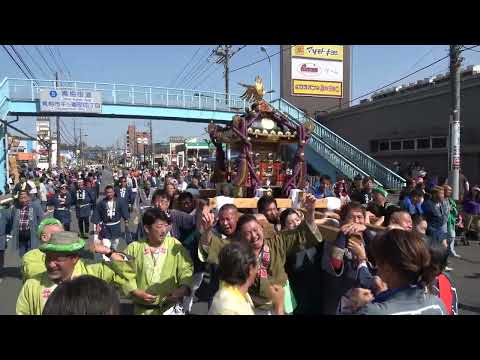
(205, 69)
(205, 72)
(65, 139)
(63, 62)
(66, 129)
(192, 68)
(34, 61)
(196, 68)
(207, 76)
(44, 59)
(396, 81)
(199, 72)
(214, 70)
(236, 51)
(472, 50)
(389, 84)
(172, 83)
(15, 61)
(201, 78)
(420, 60)
(260, 60)
(52, 55)
(23, 62)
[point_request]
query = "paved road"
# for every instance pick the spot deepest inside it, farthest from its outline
(466, 275)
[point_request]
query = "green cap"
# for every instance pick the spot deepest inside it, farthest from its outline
(45, 222)
(381, 190)
(63, 242)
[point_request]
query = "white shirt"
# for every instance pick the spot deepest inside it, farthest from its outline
(43, 192)
(33, 186)
(182, 186)
(110, 209)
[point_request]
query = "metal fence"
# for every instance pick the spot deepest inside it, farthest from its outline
(361, 160)
(124, 94)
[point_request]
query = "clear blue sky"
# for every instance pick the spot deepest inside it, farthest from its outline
(373, 66)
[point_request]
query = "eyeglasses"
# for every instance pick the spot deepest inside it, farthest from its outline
(56, 259)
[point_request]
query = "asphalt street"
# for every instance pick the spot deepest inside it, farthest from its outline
(465, 274)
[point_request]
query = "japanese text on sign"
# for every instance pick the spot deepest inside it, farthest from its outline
(329, 52)
(323, 88)
(63, 100)
(317, 70)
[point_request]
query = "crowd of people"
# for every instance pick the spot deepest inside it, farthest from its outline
(372, 255)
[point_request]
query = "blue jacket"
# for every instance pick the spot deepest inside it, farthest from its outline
(100, 215)
(62, 210)
(83, 207)
(337, 283)
(407, 205)
(129, 195)
(436, 216)
(319, 194)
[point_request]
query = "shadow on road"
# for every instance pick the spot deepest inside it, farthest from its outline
(12, 272)
(469, 261)
(474, 309)
(473, 276)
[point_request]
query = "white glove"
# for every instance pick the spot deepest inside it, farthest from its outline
(333, 203)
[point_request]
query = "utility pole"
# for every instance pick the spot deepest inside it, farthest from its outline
(454, 128)
(75, 134)
(58, 127)
(135, 145)
(50, 141)
(152, 146)
(81, 148)
(224, 56)
(226, 68)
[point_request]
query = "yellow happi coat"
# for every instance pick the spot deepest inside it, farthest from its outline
(33, 263)
(36, 290)
(159, 271)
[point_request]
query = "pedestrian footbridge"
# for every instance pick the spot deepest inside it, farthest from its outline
(21, 97)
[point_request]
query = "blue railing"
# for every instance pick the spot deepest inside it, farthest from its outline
(323, 135)
(125, 94)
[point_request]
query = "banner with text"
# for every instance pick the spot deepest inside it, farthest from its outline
(317, 70)
(317, 88)
(68, 101)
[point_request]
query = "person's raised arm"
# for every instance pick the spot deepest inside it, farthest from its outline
(306, 233)
(205, 226)
(310, 206)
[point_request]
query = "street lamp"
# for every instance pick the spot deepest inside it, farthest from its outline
(263, 49)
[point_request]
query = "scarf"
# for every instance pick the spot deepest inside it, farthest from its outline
(263, 262)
